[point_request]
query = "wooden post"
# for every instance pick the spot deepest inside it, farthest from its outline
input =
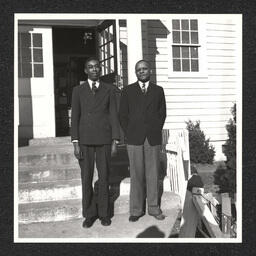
(226, 214)
(190, 219)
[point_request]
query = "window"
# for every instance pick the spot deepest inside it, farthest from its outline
(106, 50)
(185, 45)
(30, 51)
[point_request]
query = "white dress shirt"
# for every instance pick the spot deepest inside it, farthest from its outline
(146, 85)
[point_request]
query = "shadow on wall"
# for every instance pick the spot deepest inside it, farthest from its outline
(153, 31)
(25, 129)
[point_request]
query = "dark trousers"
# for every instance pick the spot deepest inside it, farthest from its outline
(95, 204)
(144, 170)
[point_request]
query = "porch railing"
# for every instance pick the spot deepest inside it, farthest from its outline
(176, 147)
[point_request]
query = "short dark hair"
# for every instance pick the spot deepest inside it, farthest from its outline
(142, 61)
(89, 59)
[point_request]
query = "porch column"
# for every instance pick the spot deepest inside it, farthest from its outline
(134, 46)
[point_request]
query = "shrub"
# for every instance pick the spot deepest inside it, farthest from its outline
(225, 175)
(199, 147)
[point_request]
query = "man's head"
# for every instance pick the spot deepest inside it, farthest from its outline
(142, 70)
(92, 68)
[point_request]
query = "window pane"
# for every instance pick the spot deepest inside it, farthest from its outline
(194, 37)
(25, 39)
(193, 25)
(38, 70)
(176, 52)
(26, 70)
(112, 65)
(176, 24)
(185, 65)
(111, 33)
(184, 25)
(194, 52)
(176, 36)
(38, 55)
(111, 49)
(25, 54)
(194, 65)
(185, 52)
(37, 40)
(176, 65)
(185, 37)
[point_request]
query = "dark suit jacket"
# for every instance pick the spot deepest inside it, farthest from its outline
(94, 119)
(141, 115)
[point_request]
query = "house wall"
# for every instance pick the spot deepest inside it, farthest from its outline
(208, 97)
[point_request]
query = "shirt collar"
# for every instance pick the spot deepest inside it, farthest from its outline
(90, 83)
(146, 84)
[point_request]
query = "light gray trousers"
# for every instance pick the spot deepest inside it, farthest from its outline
(144, 171)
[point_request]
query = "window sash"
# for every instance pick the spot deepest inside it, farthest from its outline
(185, 45)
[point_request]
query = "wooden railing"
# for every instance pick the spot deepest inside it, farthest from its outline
(176, 147)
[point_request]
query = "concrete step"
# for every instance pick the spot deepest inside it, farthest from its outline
(121, 230)
(50, 141)
(71, 209)
(61, 190)
(58, 155)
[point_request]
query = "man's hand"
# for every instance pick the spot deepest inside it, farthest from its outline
(77, 151)
(114, 148)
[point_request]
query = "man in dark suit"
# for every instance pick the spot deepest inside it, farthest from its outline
(94, 132)
(142, 115)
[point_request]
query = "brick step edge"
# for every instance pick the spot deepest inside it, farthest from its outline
(71, 209)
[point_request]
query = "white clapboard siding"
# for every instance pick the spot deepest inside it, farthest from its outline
(203, 125)
(203, 119)
(196, 84)
(199, 105)
(203, 98)
(188, 112)
(192, 91)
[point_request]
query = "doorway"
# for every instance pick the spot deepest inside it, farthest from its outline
(71, 47)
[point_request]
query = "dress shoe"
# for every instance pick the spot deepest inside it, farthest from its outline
(88, 222)
(134, 218)
(159, 216)
(105, 221)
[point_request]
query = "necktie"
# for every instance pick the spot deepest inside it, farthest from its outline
(143, 88)
(94, 88)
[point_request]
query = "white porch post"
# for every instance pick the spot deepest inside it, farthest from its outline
(134, 46)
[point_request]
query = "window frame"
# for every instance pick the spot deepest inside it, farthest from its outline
(107, 47)
(202, 63)
(31, 48)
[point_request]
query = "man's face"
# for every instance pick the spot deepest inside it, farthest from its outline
(92, 69)
(142, 71)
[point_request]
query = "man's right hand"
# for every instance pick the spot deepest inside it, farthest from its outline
(77, 151)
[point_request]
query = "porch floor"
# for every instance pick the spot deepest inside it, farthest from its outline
(146, 227)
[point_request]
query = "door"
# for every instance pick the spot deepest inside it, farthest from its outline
(107, 50)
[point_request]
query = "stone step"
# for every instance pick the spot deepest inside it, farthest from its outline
(58, 155)
(35, 174)
(56, 172)
(52, 211)
(121, 230)
(62, 190)
(50, 141)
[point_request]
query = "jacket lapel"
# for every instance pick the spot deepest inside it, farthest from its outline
(87, 95)
(100, 94)
(150, 94)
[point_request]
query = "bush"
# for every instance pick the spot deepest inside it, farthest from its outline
(199, 147)
(225, 175)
